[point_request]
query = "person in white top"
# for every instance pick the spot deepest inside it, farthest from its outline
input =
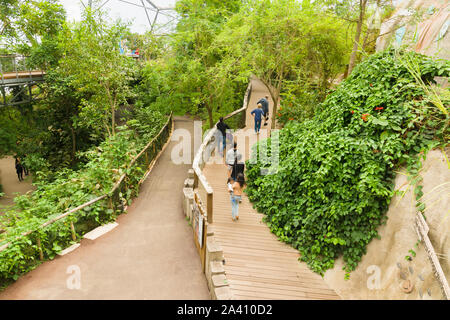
(233, 157)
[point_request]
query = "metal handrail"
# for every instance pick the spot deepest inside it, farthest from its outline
(109, 194)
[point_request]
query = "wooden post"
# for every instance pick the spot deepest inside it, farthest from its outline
(209, 207)
(195, 180)
(41, 253)
(72, 227)
(203, 249)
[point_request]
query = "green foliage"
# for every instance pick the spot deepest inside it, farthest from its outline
(93, 63)
(69, 137)
(292, 47)
(298, 102)
(203, 84)
(31, 28)
(218, 45)
(336, 173)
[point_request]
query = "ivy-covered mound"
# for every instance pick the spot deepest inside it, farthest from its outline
(336, 173)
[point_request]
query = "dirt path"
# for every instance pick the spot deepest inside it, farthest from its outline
(149, 255)
(258, 266)
(10, 182)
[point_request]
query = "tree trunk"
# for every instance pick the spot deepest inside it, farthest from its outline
(210, 116)
(275, 96)
(365, 39)
(362, 10)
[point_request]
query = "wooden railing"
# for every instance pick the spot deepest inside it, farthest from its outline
(146, 158)
(204, 153)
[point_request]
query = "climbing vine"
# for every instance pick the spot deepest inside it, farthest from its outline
(336, 174)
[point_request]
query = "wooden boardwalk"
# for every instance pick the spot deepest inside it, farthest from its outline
(257, 264)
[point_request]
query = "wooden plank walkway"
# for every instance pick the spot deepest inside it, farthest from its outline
(257, 264)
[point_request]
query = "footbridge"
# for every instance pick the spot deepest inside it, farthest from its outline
(17, 82)
(243, 259)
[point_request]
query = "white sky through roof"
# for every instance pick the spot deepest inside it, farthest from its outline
(126, 10)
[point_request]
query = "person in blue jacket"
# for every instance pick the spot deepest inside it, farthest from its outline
(257, 114)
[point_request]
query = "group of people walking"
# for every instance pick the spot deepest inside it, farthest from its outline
(235, 168)
(233, 160)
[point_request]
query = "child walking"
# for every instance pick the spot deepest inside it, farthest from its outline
(236, 195)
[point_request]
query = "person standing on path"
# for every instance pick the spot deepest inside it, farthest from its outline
(236, 195)
(265, 107)
(19, 169)
(257, 114)
(222, 127)
(232, 159)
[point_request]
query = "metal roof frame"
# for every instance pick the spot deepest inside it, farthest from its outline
(150, 6)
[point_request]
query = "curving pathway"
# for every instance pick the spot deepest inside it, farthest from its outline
(149, 255)
(257, 264)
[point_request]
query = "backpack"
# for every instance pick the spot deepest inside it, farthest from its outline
(237, 168)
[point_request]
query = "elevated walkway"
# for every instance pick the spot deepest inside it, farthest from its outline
(21, 77)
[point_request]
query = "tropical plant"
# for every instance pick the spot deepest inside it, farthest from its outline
(69, 189)
(285, 44)
(92, 60)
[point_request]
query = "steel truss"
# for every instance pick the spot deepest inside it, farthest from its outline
(23, 93)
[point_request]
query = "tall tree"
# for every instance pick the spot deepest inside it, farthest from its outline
(91, 56)
(9, 10)
(198, 65)
(284, 40)
(360, 16)
(359, 24)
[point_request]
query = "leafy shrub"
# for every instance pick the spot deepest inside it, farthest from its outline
(298, 102)
(336, 173)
